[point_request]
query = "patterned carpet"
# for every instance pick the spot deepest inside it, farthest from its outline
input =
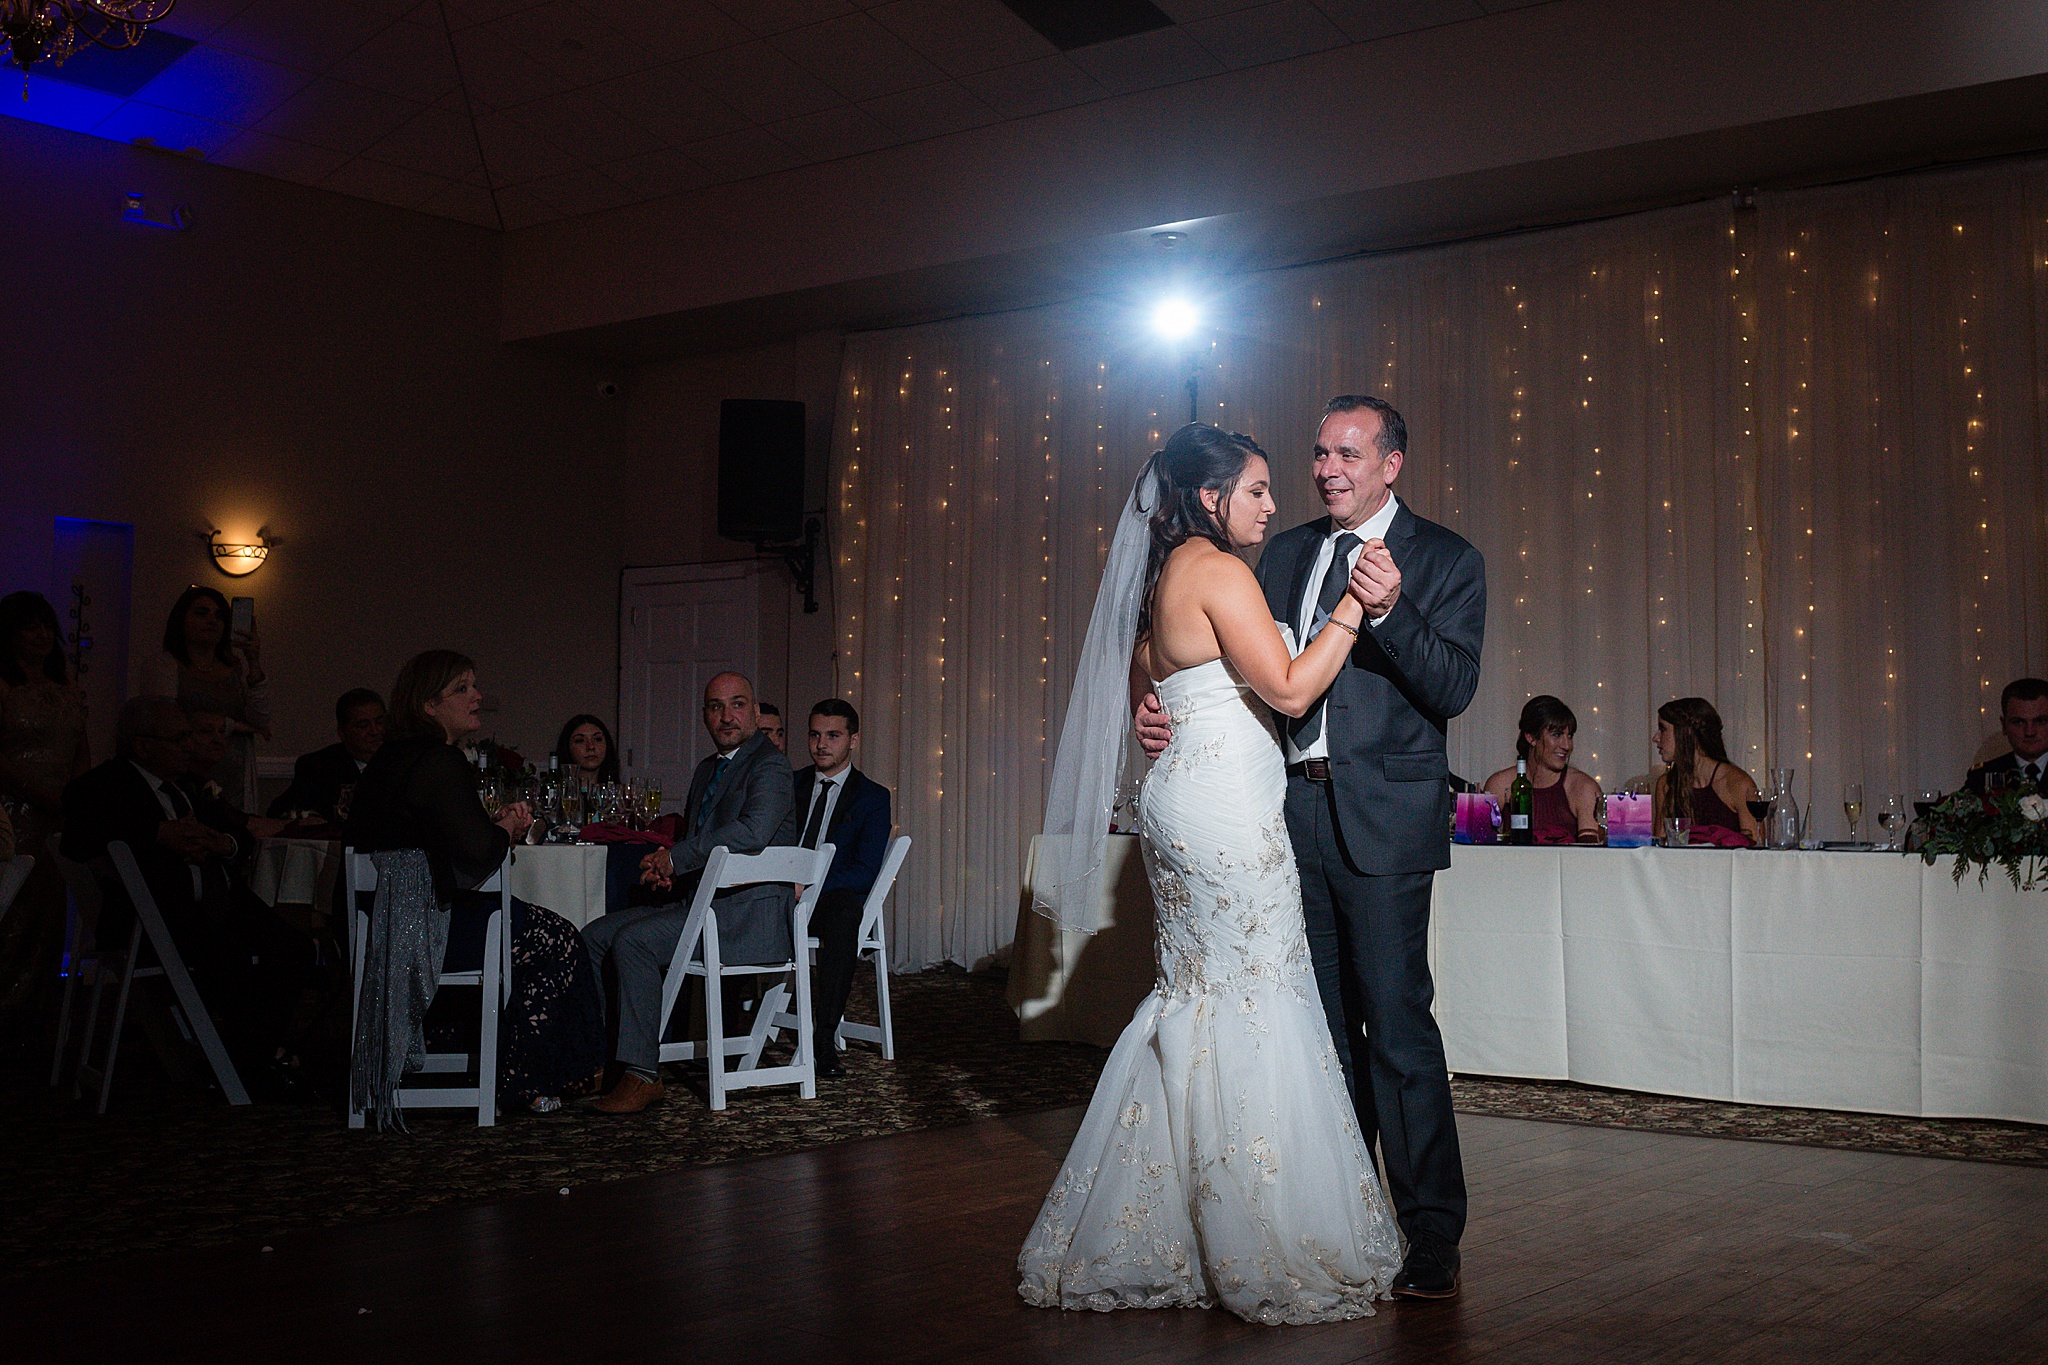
(170, 1168)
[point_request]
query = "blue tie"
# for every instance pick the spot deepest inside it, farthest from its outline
(710, 793)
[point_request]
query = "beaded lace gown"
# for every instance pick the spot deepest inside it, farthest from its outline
(1220, 1160)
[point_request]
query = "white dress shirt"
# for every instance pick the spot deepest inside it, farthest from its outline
(826, 789)
(1375, 528)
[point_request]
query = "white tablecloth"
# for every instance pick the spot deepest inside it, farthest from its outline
(565, 878)
(1833, 980)
(1083, 987)
(296, 872)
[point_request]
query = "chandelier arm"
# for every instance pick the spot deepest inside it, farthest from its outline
(132, 27)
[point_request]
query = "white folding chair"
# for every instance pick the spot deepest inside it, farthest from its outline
(12, 875)
(872, 943)
(494, 981)
(81, 942)
(806, 869)
(170, 966)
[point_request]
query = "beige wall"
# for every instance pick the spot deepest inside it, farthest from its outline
(327, 367)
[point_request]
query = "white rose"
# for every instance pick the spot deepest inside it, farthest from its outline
(2034, 806)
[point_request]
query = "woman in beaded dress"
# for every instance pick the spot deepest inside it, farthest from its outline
(42, 747)
(1220, 1160)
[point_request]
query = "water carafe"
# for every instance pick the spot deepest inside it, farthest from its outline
(1783, 831)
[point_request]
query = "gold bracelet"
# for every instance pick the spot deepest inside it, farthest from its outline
(1335, 622)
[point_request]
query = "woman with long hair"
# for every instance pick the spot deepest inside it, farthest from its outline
(1220, 1160)
(1699, 783)
(206, 667)
(418, 793)
(1567, 801)
(585, 750)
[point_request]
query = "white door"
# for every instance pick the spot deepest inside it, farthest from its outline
(678, 628)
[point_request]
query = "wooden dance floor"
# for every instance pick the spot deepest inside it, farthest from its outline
(1585, 1244)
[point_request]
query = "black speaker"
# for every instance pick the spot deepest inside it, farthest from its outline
(760, 469)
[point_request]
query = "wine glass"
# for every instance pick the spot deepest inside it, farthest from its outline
(1852, 806)
(1891, 815)
(494, 799)
(572, 803)
(651, 793)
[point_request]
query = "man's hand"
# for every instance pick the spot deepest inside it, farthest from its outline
(1375, 581)
(1155, 731)
(515, 819)
(657, 871)
(191, 840)
(263, 827)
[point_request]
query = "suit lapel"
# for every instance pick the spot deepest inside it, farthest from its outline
(843, 807)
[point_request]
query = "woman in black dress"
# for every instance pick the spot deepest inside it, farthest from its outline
(418, 792)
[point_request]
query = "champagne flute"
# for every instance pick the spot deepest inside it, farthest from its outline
(1852, 806)
(1891, 814)
(494, 800)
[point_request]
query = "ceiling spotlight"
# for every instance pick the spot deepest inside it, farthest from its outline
(1175, 318)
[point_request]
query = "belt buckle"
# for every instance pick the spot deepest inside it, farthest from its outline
(1316, 769)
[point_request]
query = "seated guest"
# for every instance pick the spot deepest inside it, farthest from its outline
(844, 808)
(209, 744)
(2023, 716)
(1699, 783)
(741, 797)
(585, 750)
(419, 793)
(771, 725)
(323, 780)
(1566, 801)
(248, 963)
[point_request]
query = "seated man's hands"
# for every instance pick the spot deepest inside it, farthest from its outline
(193, 841)
(656, 870)
(1155, 731)
(515, 820)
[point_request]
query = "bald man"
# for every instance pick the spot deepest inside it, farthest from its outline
(744, 798)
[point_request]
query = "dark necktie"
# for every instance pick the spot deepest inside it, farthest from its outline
(1304, 729)
(2032, 769)
(179, 803)
(817, 820)
(710, 794)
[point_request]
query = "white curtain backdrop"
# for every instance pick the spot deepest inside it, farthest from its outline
(1789, 459)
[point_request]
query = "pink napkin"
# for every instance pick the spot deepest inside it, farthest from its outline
(1718, 836)
(665, 832)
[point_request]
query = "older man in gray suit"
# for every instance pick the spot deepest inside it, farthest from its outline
(743, 797)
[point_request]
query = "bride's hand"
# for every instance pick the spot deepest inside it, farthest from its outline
(1376, 579)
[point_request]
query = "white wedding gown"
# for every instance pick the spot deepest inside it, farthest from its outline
(1220, 1161)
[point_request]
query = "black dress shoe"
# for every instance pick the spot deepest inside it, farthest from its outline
(830, 1068)
(1430, 1272)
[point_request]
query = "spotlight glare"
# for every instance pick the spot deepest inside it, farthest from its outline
(1174, 318)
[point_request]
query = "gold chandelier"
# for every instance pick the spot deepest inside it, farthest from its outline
(54, 29)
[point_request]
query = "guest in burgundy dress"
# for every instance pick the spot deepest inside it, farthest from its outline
(1567, 801)
(1699, 782)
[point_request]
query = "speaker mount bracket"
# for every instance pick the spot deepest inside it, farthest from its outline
(801, 559)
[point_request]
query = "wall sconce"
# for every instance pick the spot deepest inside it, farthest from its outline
(239, 559)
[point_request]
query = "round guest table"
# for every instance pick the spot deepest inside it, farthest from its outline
(568, 879)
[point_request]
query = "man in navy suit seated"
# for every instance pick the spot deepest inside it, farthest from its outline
(2023, 715)
(843, 807)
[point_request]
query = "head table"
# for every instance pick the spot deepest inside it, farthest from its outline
(1863, 981)
(568, 879)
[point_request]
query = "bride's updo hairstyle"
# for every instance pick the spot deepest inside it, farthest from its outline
(1195, 458)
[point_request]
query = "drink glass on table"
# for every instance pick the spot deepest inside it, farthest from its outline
(1677, 831)
(1891, 815)
(1852, 806)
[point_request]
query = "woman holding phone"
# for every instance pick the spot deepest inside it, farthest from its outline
(207, 665)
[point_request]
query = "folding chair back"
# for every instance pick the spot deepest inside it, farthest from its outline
(12, 875)
(871, 942)
(805, 868)
(82, 898)
(493, 980)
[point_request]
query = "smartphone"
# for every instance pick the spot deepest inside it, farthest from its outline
(241, 616)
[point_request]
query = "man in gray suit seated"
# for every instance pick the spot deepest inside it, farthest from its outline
(743, 797)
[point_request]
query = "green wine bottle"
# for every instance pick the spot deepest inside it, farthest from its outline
(1521, 806)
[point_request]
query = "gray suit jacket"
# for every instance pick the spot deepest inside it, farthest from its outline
(754, 807)
(1397, 691)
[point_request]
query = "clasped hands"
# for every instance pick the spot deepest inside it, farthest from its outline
(193, 841)
(657, 871)
(1375, 582)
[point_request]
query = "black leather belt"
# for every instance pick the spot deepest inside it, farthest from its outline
(1314, 769)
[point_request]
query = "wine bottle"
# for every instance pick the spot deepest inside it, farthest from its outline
(1521, 806)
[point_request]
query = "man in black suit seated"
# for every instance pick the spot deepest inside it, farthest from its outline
(770, 716)
(842, 807)
(741, 797)
(2023, 715)
(248, 964)
(320, 779)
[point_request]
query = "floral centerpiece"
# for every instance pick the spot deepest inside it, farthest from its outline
(2008, 831)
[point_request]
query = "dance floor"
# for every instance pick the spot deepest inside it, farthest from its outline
(1586, 1244)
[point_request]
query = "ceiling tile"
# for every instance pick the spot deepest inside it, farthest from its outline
(499, 74)
(834, 133)
(670, 104)
(520, 209)
(295, 34)
(197, 18)
(384, 183)
(669, 30)
(767, 17)
(858, 57)
(514, 151)
(1188, 11)
(761, 83)
(573, 44)
(1034, 87)
(401, 8)
(1270, 33)
(224, 86)
(1499, 6)
(165, 128)
(1365, 20)
(580, 191)
(465, 203)
(741, 155)
(934, 111)
(436, 142)
(404, 59)
(964, 36)
(57, 104)
(658, 174)
(464, 14)
(587, 126)
(275, 156)
(1165, 56)
(347, 118)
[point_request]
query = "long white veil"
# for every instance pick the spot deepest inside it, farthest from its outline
(1067, 883)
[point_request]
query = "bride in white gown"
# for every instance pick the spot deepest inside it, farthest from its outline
(1220, 1160)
